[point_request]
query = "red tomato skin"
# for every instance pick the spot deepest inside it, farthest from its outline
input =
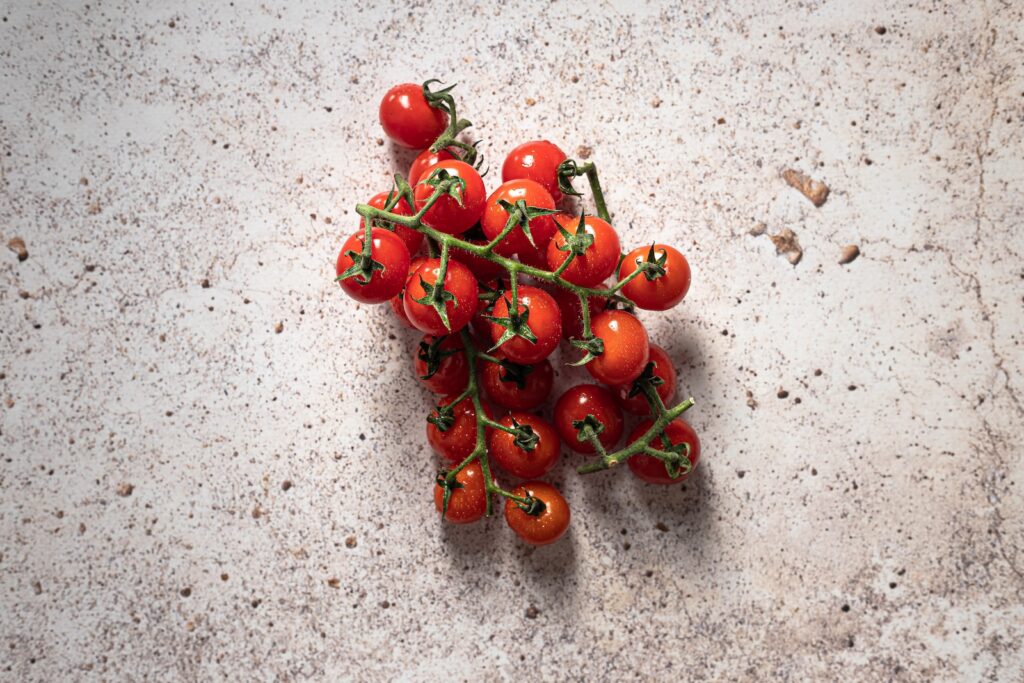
(579, 401)
(663, 368)
(385, 248)
(542, 228)
(507, 394)
(518, 462)
(545, 321)
(458, 441)
(458, 280)
(413, 239)
(467, 503)
(453, 371)
(408, 119)
(397, 302)
(597, 263)
(652, 470)
(425, 161)
(482, 268)
(538, 258)
(538, 161)
(572, 312)
(546, 528)
(663, 292)
(626, 348)
(446, 215)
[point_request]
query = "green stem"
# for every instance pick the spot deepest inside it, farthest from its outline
(595, 189)
(638, 446)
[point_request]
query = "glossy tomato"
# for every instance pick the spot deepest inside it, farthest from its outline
(664, 291)
(456, 442)
(425, 161)
(440, 363)
(651, 469)
(519, 387)
(538, 161)
(408, 119)
(595, 264)
(412, 238)
(448, 214)
(582, 400)
(468, 500)
(496, 216)
(397, 302)
(458, 280)
(572, 311)
(549, 522)
(520, 462)
(626, 348)
(387, 250)
(663, 369)
(482, 268)
(544, 320)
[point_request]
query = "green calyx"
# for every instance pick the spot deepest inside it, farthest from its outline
(442, 417)
(588, 428)
(491, 294)
(447, 486)
(451, 185)
(442, 99)
(568, 170)
(515, 325)
(514, 372)
(520, 214)
(432, 354)
(593, 346)
(576, 243)
(362, 267)
(532, 506)
(524, 437)
(653, 266)
(436, 296)
(646, 378)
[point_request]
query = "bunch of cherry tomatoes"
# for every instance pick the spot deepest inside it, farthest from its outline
(505, 278)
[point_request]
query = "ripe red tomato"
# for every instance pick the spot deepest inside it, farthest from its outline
(408, 119)
(652, 470)
(542, 228)
(451, 373)
(572, 312)
(397, 302)
(458, 441)
(502, 388)
(412, 238)
(538, 258)
(539, 161)
(458, 280)
(599, 260)
(545, 321)
(468, 500)
(447, 215)
(482, 268)
(588, 399)
(662, 368)
(667, 289)
(544, 528)
(525, 464)
(385, 248)
(626, 348)
(425, 161)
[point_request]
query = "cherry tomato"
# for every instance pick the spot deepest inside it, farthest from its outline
(582, 400)
(545, 527)
(386, 249)
(458, 280)
(468, 500)
(596, 263)
(458, 441)
(538, 258)
(545, 321)
(397, 302)
(502, 385)
(408, 119)
(482, 268)
(425, 161)
(662, 368)
(666, 290)
(412, 238)
(542, 228)
(572, 312)
(525, 464)
(451, 373)
(447, 215)
(626, 348)
(539, 161)
(652, 470)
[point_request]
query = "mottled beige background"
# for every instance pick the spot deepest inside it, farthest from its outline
(186, 494)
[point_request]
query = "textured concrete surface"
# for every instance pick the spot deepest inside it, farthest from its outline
(213, 464)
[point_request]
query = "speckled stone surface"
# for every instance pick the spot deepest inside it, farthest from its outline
(213, 463)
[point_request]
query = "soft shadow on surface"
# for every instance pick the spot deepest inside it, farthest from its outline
(401, 157)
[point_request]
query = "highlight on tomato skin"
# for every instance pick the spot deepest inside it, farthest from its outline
(520, 462)
(502, 386)
(459, 281)
(588, 399)
(664, 291)
(456, 442)
(597, 263)
(447, 215)
(467, 502)
(626, 348)
(425, 161)
(537, 160)
(652, 470)
(386, 249)
(408, 119)
(544, 321)
(544, 528)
